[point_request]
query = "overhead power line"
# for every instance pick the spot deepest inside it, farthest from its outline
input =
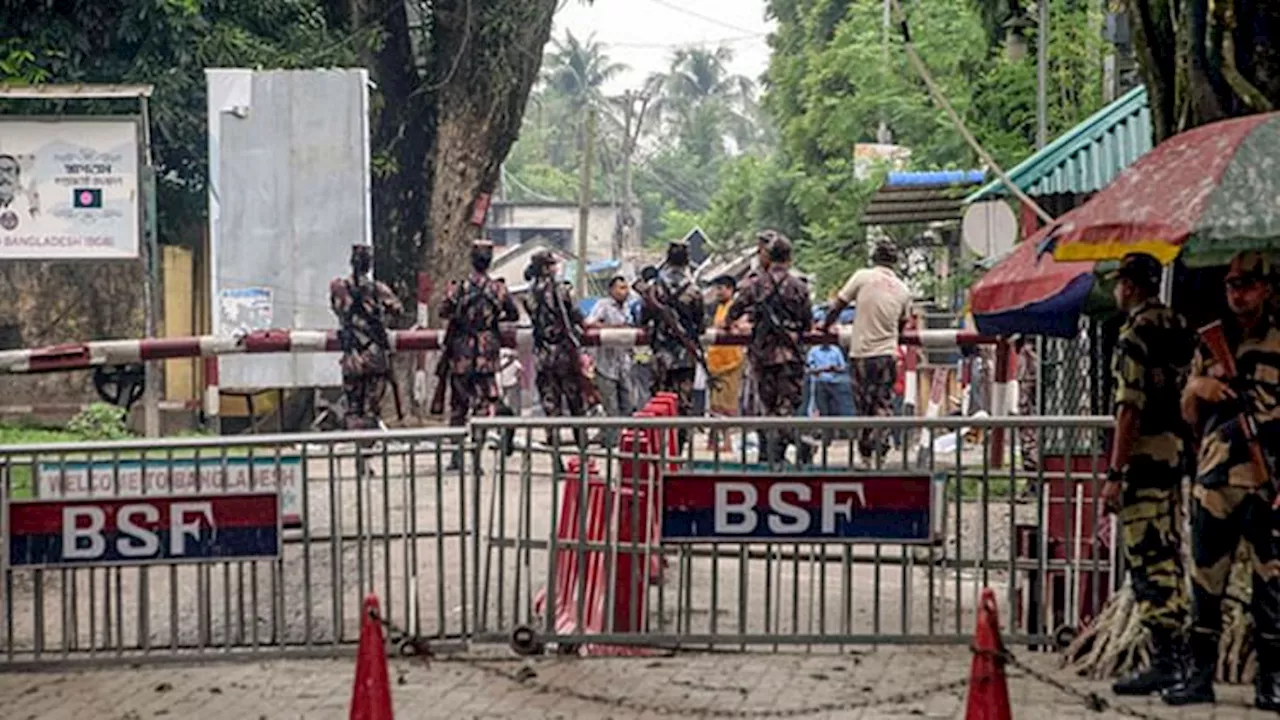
(705, 18)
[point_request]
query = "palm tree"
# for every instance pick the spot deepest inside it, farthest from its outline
(705, 104)
(576, 71)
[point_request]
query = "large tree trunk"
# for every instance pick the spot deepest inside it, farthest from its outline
(447, 111)
(488, 54)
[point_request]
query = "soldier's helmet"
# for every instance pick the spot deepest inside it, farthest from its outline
(539, 263)
(884, 253)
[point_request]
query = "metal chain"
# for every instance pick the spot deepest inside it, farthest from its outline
(415, 646)
(1091, 700)
(636, 706)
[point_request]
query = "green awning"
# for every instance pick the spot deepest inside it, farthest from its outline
(1088, 157)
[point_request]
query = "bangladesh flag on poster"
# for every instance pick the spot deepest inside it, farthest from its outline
(86, 198)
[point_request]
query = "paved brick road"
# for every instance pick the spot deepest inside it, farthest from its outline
(320, 689)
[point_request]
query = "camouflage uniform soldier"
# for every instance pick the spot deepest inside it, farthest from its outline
(1230, 499)
(674, 361)
(1143, 484)
(557, 325)
(780, 313)
(473, 345)
(363, 305)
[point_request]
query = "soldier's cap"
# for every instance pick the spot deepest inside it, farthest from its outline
(1140, 269)
(1249, 266)
(543, 257)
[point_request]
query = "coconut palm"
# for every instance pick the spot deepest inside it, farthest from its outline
(705, 104)
(576, 71)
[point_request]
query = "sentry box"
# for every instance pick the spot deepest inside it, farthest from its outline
(145, 530)
(717, 507)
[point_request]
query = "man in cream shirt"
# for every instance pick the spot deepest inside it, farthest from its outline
(882, 303)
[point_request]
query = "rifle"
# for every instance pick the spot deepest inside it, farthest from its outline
(590, 393)
(379, 331)
(667, 316)
(442, 373)
(775, 325)
(1215, 340)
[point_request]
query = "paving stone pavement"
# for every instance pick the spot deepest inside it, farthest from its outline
(684, 686)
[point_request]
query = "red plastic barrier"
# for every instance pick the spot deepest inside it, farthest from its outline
(581, 578)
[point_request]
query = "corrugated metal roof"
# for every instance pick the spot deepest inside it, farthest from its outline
(1088, 157)
(908, 198)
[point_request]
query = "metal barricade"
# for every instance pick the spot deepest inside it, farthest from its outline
(361, 512)
(573, 552)
(604, 550)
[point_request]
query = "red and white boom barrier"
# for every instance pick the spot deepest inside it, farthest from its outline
(81, 356)
(105, 353)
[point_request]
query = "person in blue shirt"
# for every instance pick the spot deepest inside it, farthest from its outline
(829, 378)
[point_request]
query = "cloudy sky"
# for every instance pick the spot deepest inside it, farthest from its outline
(643, 33)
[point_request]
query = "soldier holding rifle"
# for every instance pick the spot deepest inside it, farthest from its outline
(557, 346)
(780, 313)
(472, 342)
(363, 306)
(1233, 401)
(1147, 459)
(676, 317)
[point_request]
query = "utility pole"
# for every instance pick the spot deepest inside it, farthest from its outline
(628, 149)
(584, 198)
(883, 136)
(1042, 74)
(632, 126)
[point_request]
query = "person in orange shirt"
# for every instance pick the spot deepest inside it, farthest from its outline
(726, 362)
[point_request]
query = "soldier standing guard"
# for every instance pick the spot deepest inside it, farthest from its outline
(363, 306)
(1145, 477)
(557, 329)
(676, 318)
(780, 311)
(1231, 497)
(473, 343)
(675, 296)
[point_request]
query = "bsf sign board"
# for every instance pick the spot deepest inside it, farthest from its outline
(69, 188)
(178, 476)
(759, 507)
(144, 530)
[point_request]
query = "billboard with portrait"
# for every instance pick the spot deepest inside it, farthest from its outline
(69, 188)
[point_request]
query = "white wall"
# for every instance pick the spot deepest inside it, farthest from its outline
(600, 224)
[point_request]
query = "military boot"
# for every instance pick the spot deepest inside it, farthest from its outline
(1197, 686)
(1266, 693)
(1165, 671)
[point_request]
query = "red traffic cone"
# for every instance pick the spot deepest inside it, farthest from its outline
(988, 687)
(371, 695)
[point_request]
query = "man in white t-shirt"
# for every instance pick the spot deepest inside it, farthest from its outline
(882, 303)
(509, 368)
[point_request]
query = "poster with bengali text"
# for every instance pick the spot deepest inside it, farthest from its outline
(69, 189)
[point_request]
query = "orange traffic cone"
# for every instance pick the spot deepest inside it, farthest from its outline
(371, 696)
(988, 687)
